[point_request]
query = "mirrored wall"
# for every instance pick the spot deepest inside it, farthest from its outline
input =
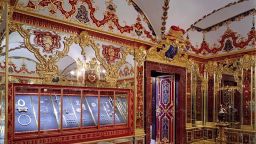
(223, 91)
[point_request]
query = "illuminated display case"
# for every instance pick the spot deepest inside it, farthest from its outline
(57, 110)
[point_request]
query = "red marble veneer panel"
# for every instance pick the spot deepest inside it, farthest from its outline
(210, 98)
(246, 97)
(140, 102)
(199, 101)
(189, 100)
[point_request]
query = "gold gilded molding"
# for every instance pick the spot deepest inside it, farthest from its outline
(175, 39)
(230, 66)
(219, 56)
(91, 36)
(46, 68)
(140, 55)
(112, 70)
(247, 61)
(81, 26)
(211, 67)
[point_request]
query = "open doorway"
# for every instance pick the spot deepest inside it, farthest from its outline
(163, 107)
(164, 121)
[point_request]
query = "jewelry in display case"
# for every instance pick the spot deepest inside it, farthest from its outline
(21, 106)
(48, 114)
(24, 119)
(26, 113)
(121, 110)
(39, 115)
(106, 110)
(70, 116)
(90, 114)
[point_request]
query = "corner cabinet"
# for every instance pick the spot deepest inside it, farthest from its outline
(62, 114)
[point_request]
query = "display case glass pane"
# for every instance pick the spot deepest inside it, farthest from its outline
(121, 109)
(107, 108)
(26, 113)
(50, 109)
(71, 112)
(71, 108)
(90, 108)
(49, 112)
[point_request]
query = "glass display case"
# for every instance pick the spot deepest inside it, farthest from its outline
(53, 109)
(49, 113)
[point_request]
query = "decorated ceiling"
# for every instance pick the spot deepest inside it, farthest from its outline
(111, 16)
(214, 28)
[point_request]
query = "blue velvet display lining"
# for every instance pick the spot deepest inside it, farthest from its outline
(87, 117)
(70, 117)
(48, 120)
(50, 112)
(119, 118)
(31, 102)
(106, 111)
(93, 105)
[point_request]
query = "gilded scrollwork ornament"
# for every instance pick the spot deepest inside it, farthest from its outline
(247, 61)
(204, 83)
(112, 70)
(171, 50)
(46, 67)
(140, 55)
(211, 67)
(234, 67)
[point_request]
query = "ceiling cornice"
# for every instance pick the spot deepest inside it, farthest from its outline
(234, 18)
(214, 11)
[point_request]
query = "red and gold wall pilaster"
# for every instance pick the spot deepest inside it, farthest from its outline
(140, 54)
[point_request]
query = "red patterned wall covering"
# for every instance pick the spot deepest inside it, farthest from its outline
(189, 100)
(140, 102)
(180, 103)
(210, 98)
(246, 97)
(199, 101)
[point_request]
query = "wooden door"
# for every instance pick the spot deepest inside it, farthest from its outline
(165, 109)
